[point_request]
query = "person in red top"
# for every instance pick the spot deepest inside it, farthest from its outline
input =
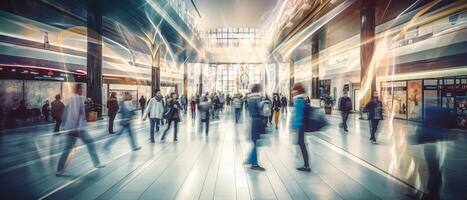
(193, 107)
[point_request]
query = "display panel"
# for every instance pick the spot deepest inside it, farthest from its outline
(414, 91)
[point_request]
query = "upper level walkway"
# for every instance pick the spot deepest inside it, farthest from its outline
(199, 166)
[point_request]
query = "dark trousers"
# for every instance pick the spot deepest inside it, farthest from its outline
(345, 116)
(71, 141)
(175, 122)
(142, 110)
(131, 137)
(373, 128)
(58, 121)
(237, 114)
(301, 143)
(111, 122)
(253, 157)
(46, 117)
(153, 122)
(193, 113)
(206, 125)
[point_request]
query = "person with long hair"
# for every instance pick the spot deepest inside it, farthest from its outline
(172, 114)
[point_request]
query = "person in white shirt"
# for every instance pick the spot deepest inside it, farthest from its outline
(74, 120)
(155, 111)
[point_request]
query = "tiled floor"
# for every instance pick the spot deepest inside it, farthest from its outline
(344, 165)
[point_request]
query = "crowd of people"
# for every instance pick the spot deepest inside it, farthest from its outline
(263, 110)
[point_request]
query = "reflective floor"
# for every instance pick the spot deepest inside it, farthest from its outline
(344, 165)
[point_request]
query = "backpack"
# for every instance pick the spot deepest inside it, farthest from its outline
(313, 120)
(266, 108)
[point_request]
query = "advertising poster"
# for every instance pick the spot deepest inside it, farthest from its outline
(414, 92)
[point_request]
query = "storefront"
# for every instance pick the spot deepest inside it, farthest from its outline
(409, 99)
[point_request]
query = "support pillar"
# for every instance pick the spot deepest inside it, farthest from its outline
(155, 73)
(94, 55)
(185, 78)
(200, 84)
(315, 67)
(367, 35)
(291, 80)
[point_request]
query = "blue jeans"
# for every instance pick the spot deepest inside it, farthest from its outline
(71, 141)
(153, 122)
(237, 114)
(253, 158)
(131, 136)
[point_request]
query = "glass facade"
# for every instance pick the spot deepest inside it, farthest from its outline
(234, 37)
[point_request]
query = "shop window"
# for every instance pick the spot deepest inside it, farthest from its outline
(414, 92)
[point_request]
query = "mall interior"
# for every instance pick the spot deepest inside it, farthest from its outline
(246, 99)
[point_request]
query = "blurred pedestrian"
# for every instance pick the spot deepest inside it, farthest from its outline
(193, 107)
(237, 104)
(142, 104)
(127, 110)
(257, 124)
(266, 110)
(184, 103)
(46, 110)
(112, 108)
(276, 108)
(204, 108)
(374, 108)
(284, 104)
(172, 114)
(57, 108)
(155, 111)
(74, 123)
(345, 106)
(298, 122)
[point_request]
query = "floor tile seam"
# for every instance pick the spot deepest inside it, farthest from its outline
(99, 138)
(335, 191)
(244, 168)
(365, 164)
(168, 165)
(280, 177)
(74, 180)
(214, 162)
(81, 146)
(236, 169)
(134, 173)
(205, 149)
(212, 157)
(218, 167)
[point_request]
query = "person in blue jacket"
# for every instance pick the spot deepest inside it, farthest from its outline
(257, 124)
(298, 121)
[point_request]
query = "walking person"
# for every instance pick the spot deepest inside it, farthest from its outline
(112, 108)
(204, 108)
(184, 102)
(57, 108)
(237, 104)
(46, 110)
(193, 107)
(172, 114)
(74, 123)
(155, 111)
(257, 124)
(374, 108)
(266, 110)
(142, 104)
(284, 104)
(276, 108)
(345, 106)
(298, 122)
(127, 111)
